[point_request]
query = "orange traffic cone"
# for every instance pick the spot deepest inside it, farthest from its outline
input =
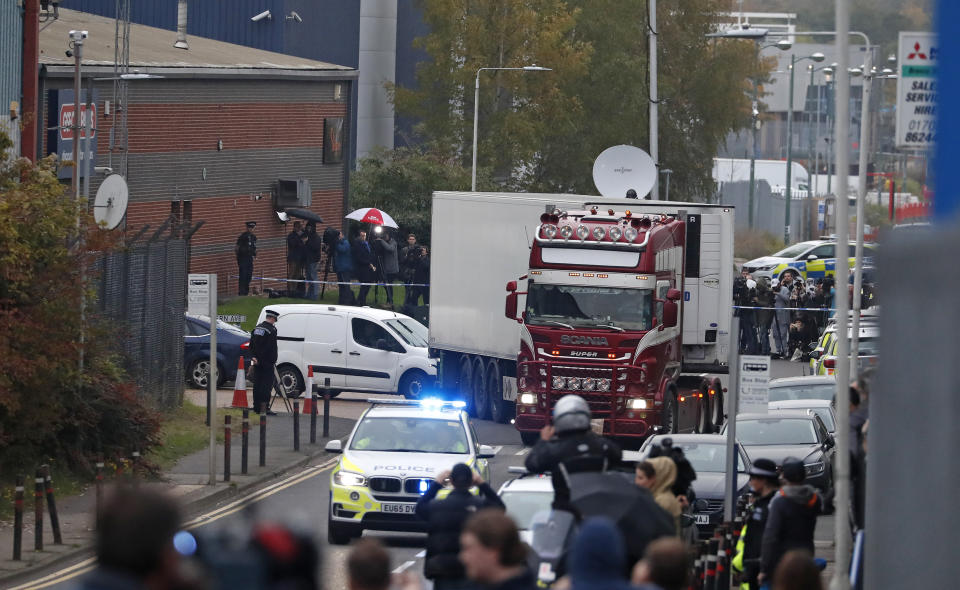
(240, 387)
(308, 399)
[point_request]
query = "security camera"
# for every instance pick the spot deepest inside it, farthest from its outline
(105, 170)
(294, 16)
(263, 15)
(78, 35)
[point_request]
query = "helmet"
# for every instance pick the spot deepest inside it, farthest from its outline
(571, 414)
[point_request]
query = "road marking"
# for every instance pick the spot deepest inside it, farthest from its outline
(87, 565)
(422, 554)
(522, 451)
(403, 567)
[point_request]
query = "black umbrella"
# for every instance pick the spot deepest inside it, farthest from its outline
(303, 214)
(633, 509)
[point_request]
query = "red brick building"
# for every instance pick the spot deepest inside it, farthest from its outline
(211, 138)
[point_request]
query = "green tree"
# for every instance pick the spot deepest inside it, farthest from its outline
(48, 409)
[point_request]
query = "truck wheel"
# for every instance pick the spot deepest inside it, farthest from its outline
(670, 417)
(703, 411)
(481, 401)
(466, 383)
(716, 405)
(499, 407)
(529, 438)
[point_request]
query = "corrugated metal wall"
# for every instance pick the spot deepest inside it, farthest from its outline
(11, 62)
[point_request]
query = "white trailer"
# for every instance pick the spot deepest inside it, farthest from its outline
(481, 241)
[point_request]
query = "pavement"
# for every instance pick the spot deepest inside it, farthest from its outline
(188, 480)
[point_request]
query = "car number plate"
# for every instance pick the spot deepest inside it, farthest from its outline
(399, 508)
(702, 518)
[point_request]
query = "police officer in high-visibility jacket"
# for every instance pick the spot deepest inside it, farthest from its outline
(764, 482)
(263, 348)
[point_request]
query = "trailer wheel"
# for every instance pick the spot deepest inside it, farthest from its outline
(703, 410)
(670, 417)
(481, 399)
(466, 382)
(499, 407)
(716, 405)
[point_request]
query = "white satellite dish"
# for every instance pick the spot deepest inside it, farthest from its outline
(621, 168)
(110, 204)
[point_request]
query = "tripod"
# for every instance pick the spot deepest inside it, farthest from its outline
(326, 271)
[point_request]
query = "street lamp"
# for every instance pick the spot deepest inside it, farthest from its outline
(788, 195)
(476, 112)
(815, 137)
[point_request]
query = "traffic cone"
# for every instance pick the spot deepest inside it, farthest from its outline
(308, 396)
(240, 387)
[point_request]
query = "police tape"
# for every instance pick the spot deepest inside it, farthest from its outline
(788, 308)
(356, 284)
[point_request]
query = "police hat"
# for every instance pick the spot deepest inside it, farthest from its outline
(272, 314)
(251, 224)
(763, 468)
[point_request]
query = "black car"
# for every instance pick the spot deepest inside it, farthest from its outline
(232, 343)
(782, 434)
(707, 456)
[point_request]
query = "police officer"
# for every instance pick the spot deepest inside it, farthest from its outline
(764, 483)
(569, 446)
(246, 251)
(263, 348)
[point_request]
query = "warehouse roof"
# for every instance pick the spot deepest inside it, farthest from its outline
(152, 51)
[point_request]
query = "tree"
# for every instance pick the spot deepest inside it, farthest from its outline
(49, 410)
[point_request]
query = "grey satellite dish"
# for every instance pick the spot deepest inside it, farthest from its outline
(110, 204)
(621, 168)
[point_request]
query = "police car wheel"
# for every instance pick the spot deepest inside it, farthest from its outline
(339, 533)
(529, 438)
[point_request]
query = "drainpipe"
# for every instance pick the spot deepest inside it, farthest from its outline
(181, 25)
(31, 61)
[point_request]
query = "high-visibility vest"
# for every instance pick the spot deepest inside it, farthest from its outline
(737, 562)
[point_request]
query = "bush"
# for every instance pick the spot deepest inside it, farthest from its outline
(50, 410)
(751, 243)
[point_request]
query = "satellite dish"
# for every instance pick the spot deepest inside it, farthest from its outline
(621, 168)
(110, 204)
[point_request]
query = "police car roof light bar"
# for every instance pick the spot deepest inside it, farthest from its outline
(433, 403)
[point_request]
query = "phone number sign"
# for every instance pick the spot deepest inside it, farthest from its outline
(917, 90)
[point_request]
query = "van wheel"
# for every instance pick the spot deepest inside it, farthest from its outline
(466, 383)
(291, 382)
(499, 407)
(481, 399)
(412, 384)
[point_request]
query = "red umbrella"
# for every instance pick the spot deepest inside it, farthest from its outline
(372, 215)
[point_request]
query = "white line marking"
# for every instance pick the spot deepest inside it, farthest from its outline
(522, 451)
(422, 554)
(403, 567)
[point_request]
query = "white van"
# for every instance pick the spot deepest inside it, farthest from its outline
(357, 348)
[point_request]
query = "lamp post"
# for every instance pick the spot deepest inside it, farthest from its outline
(667, 172)
(815, 138)
(476, 112)
(788, 195)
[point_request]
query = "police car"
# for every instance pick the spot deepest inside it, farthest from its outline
(868, 352)
(395, 450)
(806, 260)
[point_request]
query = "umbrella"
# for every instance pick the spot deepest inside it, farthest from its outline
(372, 215)
(616, 497)
(304, 214)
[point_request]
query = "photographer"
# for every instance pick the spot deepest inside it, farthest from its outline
(343, 266)
(764, 316)
(408, 266)
(314, 251)
(296, 260)
(387, 251)
(421, 275)
(745, 296)
(364, 265)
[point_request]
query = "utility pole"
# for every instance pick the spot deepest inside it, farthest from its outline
(654, 151)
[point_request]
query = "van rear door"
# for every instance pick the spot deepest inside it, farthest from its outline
(325, 348)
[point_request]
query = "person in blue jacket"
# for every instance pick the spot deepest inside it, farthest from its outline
(343, 266)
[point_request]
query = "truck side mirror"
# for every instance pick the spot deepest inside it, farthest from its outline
(510, 309)
(674, 294)
(669, 314)
(512, 286)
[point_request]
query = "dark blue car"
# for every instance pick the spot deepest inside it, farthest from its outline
(232, 343)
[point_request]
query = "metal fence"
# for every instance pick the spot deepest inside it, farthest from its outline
(769, 210)
(142, 290)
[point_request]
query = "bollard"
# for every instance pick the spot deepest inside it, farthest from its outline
(702, 575)
(296, 425)
(313, 418)
(52, 506)
(18, 519)
(263, 438)
(697, 563)
(723, 573)
(244, 441)
(710, 575)
(135, 468)
(38, 511)
(227, 434)
(99, 486)
(326, 407)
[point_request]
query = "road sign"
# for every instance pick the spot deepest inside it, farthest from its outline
(198, 294)
(754, 376)
(917, 90)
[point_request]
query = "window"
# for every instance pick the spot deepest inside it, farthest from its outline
(367, 333)
(777, 431)
(424, 435)
(821, 252)
(411, 331)
(662, 288)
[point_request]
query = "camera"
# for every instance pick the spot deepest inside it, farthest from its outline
(78, 35)
(261, 16)
(330, 237)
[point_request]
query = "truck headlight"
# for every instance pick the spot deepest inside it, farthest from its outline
(349, 478)
(528, 399)
(636, 404)
(615, 233)
(630, 234)
(559, 382)
(573, 383)
(589, 384)
(549, 231)
(813, 468)
(603, 384)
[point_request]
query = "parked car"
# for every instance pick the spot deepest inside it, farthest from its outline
(803, 388)
(820, 407)
(232, 343)
(356, 348)
(707, 455)
(781, 434)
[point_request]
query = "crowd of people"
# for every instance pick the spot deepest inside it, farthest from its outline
(375, 261)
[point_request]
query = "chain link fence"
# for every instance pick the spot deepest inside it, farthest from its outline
(142, 290)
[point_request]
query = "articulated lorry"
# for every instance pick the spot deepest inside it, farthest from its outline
(627, 303)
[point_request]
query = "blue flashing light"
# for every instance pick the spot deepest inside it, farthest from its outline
(424, 486)
(435, 403)
(185, 543)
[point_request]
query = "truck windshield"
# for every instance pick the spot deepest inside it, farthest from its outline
(582, 306)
